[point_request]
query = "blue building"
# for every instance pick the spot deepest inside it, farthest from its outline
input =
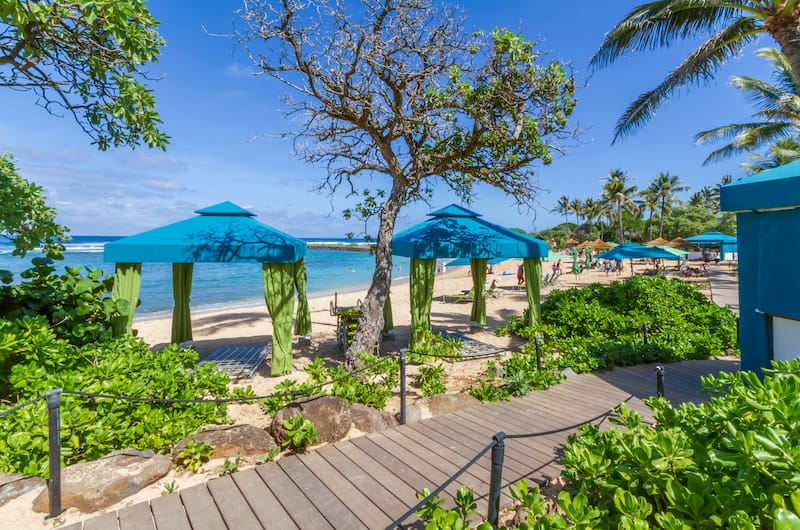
(767, 207)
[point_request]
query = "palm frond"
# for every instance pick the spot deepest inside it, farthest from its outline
(699, 66)
(726, 132)
(660, 23)
(781, 69)
(751, 139)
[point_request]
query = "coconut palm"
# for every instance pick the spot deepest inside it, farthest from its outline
(648, 201)
(777, 117)
(563, 207)
(730, 26)
(591, 210)
(780, 152)
(697, 200)
(666, 186)
(620, 193)
(576, 206)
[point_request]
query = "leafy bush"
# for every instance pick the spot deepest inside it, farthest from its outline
(300, 433)
(520, 376)
(194, 454)
(600, 326)
(76, 306)
(430, 380)
(34, 360)
(433, 346)
(733, 461)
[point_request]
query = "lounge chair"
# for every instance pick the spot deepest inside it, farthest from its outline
(463, 296)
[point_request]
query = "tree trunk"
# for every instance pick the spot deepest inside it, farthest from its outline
(370, 322)
(619, 220)
(786, 32)
(661, 220)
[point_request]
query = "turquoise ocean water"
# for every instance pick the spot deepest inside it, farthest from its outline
(217, 285)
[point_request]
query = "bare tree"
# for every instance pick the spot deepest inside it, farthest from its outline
(397, 88)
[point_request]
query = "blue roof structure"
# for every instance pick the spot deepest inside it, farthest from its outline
(634, 251)
(711, 238)
(455, 232)
(223, 232)
(772, 189)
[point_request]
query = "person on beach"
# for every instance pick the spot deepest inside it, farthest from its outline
(521, 275)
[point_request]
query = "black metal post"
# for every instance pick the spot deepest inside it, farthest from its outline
(54, 439)
(660, 381)
(537, 342)
(402, 386)
(496, 480)
(644, 332)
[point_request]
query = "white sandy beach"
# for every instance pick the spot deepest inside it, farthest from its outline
(250, 325)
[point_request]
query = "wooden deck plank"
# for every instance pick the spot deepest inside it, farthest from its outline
(73, 526)
(363, 508)
(389, 478)
(201, 509)
(266, 507)
(169, 513)
(301, 510)
(107, 521)
(136, 517)
(232, 505)
(389, 504)
(331, 507)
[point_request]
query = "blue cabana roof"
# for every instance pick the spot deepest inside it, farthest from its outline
(635, 250)
(711, 238)
(223, 232)
(455, 232)
(772, 189)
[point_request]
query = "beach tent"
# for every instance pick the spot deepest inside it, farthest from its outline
(455, 232)
(225, 233)
(657, 242)
(570, 243)
(598, 244)
(726, 243)
(679, 242)
(635, 250)
(676, 252)
(554, 256)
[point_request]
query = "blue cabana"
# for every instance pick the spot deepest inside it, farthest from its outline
(726, 243)
(767, 207)
(225, 233)
(635, 251)
(455, 232)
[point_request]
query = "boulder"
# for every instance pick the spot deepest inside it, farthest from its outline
(12, 486)
(367, 419)
(96, 485)
(428, 407)
(230, 441)
(330, 415)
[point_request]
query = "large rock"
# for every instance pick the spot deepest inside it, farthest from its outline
(330, 415)
(439, 404)
(231, 440)
(96, 485)
(367, 419)
(12, 486)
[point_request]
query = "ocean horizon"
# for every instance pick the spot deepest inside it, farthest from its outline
(219, 285)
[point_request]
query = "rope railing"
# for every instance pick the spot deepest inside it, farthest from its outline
(20, 406)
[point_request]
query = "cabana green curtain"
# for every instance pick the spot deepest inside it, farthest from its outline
(421, 286)
(279, 295)
(181, 289)
(388, 320)
(478, 266)
(302, 324)
(533, 278)
(127, 280)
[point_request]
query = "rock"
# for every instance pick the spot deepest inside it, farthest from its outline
(367, 419)
(568, 373)
(230, 440)
(330, 415)
(439, 404)
(12, 486)
(96, 485)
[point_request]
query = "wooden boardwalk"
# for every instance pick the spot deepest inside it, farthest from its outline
(371, 481)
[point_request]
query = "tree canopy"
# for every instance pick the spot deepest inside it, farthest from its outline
(399, 90)
(85, 58)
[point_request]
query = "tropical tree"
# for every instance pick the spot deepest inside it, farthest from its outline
(398, 91)
(564, 208)
(648, 201)
(25, 219)
(86, 58)
(665, 187)
(591, 210)
(779, 153)
(618, 191)
(729, 25)
(777, 116)
(576, 206)
(697, 200)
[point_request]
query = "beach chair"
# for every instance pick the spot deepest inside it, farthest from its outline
(463, 296)
(346, 321)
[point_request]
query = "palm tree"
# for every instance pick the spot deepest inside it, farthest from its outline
(780, 152)
(617, 191)
(777, 118)
(697, 199)
(666, 186)
(563, 207)
(711, 198)
(591, 210)
(730, 24)
(648, 200)
(577, 208)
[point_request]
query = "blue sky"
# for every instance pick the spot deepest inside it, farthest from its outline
(225, 125)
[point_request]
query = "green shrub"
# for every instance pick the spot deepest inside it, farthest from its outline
(93, 427)
(300, 433)
(430, 380)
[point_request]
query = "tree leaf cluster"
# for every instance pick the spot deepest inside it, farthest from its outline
(37, 361)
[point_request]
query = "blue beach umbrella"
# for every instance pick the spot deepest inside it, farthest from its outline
(635, 250)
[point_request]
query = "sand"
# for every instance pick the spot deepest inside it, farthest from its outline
(250, 325)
